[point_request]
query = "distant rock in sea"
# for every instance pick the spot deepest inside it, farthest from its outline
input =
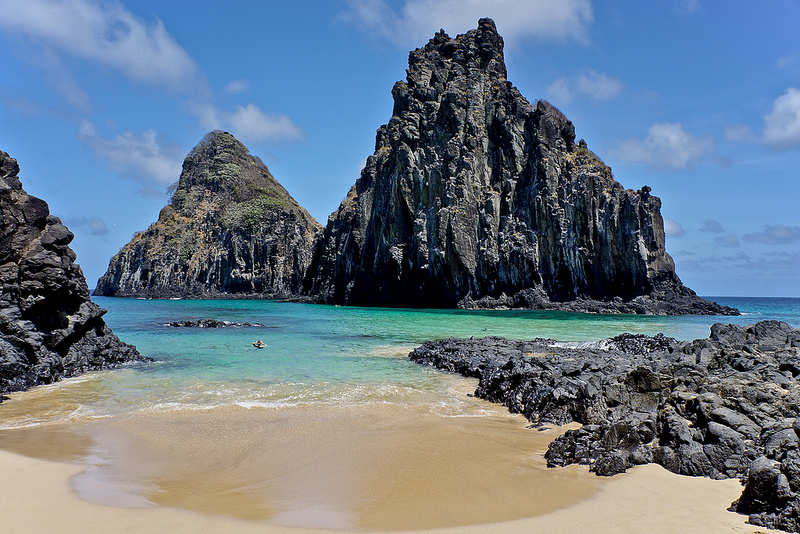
(49, 327)
(230, 229)
(210, 323)
(475, 198)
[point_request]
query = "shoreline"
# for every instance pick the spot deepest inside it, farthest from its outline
(36, 497)
(722, 407)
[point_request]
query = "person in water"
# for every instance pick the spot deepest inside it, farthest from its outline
(259, 344)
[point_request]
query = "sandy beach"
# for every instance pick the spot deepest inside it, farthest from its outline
(36, 497)
(376, 468)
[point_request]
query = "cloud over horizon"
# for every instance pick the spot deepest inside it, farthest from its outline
(415, 21)
(667, 146)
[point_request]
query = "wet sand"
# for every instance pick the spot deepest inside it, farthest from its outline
(371, 467)
(35, 497)
(360, 468)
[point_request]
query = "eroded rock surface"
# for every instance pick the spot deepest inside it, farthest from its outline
(721, 407)
(49, 328)
(230, 229)
(476, 198)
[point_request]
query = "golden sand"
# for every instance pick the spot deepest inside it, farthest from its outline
(377, 467)
(35, 497)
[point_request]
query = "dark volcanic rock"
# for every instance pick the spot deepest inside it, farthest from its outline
(721, 407)
(475, 198)
(49, 328)
(208, 323)
(230, 229)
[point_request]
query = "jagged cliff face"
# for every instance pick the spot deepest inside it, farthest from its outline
(49, 328)
(473, 197)
(230, 228)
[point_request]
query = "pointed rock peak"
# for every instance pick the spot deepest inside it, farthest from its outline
(481, 48)
(217, 142)
(220, 169)
(230, 228)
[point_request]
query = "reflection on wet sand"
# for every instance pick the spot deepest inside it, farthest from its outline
(372, 467)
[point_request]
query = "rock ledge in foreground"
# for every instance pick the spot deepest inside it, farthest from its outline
(721, 407)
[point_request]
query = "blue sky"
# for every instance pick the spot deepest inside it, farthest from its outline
(100, 101)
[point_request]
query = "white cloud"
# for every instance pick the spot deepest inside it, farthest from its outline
(782, 124)
(673, 228)
(777, 234)
(667, 146)
(593, 84)
(107, 33)
(415, 21)
(249, 123)
(139, 156)
(739, 133)
(236, 87)
(599, 86)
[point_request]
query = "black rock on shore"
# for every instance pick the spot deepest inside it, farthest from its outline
(721, 407)
(49, 328)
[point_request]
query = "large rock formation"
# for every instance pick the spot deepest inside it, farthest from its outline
(476, 198)
(230, 229)
(49, 328)
(721, 407)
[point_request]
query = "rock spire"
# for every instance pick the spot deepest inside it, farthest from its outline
(230, 229)
(476, 198)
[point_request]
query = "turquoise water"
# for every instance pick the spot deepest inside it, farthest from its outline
(322, 355)
(329, 426)
(313, 343)
(333, 355)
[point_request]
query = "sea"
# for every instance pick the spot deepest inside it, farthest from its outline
(329, 425)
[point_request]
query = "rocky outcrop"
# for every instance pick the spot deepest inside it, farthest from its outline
(49, 328)
(210, 323)
(476, 198)
(721, 407)
(230, 229)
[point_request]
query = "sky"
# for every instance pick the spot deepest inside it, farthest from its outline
(100, 101)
